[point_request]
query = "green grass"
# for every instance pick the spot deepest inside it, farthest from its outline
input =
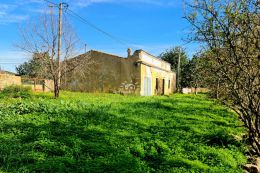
(113, 133)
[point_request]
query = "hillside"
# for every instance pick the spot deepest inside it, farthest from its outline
(113, 133)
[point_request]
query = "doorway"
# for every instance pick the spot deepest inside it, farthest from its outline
(163, 86)
(147, 86)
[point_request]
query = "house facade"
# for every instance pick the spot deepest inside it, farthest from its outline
(139, 73)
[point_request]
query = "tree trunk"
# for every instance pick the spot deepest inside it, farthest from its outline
(196, 89)
(253, 135)
(255, 143)
(217, 92)
(56, 88)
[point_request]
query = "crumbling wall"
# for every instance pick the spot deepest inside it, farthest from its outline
(8, 79)
(38, 85)
(194, 90)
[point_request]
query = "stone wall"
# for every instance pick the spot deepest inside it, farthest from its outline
(38, 85)
(8, 79)
(101, 75)
(107, 73)
(193, 90)
(130, 77)
(48, 86)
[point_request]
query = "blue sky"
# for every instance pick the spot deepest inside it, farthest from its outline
(152, 25)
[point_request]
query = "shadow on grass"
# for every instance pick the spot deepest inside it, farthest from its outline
(63, 147)
(183, 114)
(100, 140)
(200, 121)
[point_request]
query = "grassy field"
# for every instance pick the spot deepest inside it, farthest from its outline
(113, 133)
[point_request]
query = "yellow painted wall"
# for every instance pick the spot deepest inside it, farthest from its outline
(153, 68)
(160, 74)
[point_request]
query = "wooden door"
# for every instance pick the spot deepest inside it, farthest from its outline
(163, 86)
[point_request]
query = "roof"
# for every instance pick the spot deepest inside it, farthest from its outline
(140, 50)
(116, 56)
(105, 53)
(95, 51)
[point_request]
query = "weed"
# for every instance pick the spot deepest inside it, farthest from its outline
(83, 132)
(16, 91)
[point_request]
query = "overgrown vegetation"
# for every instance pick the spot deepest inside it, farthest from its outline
(113, 133)
(16, 91)
(229, 31)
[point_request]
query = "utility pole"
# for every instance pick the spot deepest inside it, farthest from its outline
(59, 44)
(85, 48)
(51, 10)
(179, 71)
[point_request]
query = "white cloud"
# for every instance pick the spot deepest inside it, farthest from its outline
(85, 3)
(2, 13)
(13, 19)
(18, 10)
(7, 14)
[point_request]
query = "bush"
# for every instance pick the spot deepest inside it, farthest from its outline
(16, 91)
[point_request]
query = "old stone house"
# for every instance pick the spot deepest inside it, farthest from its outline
(139, 73)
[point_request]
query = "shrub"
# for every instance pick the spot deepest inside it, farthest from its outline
(16, 91)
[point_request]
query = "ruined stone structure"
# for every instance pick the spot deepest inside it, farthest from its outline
(7, 79)
(37, 85)
(141, 74)
(194, 90)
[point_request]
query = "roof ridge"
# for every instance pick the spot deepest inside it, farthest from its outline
(92, 50)
(154, 56)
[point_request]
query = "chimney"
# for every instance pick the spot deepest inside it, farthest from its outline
(129, 52)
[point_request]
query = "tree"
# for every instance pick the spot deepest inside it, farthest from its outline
(194, 70)
(230, 32)
(205, 73)
(41, 38)
(33, 68)
(172, 56)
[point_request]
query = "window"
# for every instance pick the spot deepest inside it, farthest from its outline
(157, 84)
(169, 84)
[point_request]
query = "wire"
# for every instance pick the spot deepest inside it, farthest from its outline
(74, 14)
(51, 2)
(97, 28)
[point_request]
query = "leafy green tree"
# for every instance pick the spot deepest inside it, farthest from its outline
(33, 68)
(229, 31)
(172, 56)
(201, 72)
(193, 74)
(205, 73)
